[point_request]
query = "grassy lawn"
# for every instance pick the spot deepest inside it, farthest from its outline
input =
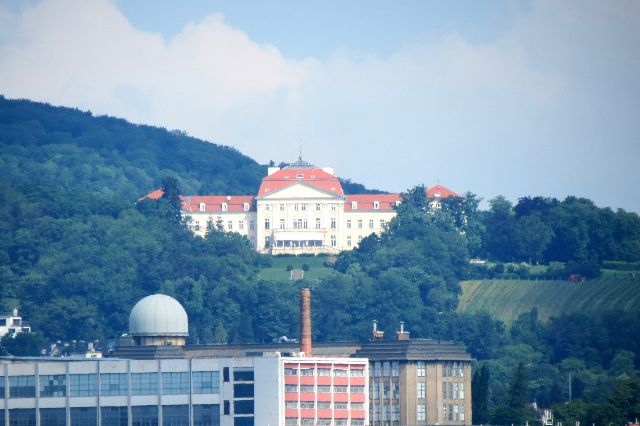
(278, 270)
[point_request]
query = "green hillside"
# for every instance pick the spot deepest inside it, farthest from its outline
(506, 299)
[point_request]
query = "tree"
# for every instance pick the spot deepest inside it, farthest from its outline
(23, 344)
(500, 225)
(480, 395)
(532, 236)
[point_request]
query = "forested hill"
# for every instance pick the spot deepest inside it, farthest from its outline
(74, 150)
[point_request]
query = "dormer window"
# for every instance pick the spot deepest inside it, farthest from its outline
(299, 176)
(376, 205)
(203, 207)
(397, 203)
(246, 207)
(354, 205)
(224, 207)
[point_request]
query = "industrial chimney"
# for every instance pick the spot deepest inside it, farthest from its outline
(305, 321)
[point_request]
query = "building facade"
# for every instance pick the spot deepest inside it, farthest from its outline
(12, 324)
(298, 209)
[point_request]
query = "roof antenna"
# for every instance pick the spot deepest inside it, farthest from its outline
(300, 156)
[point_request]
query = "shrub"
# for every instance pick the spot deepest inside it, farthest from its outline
(289, 267)
(305, 267)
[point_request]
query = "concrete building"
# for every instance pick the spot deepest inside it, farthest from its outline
(12, 324)
(298, 209)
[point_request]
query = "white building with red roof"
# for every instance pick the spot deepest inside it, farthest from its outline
(298, 209)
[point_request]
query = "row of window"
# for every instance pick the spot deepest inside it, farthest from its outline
(452, 390)
(384, 391)
(453, 369)
(219, 224)
(300, 207)
(322, 421)
(453, 412)
(323, 388)
(386, 413)
(144, 415)
(224, 207)
(338, 372)
(202, 382)
(324, 405)
(385, 369)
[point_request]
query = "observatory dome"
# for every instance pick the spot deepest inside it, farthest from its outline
(158, 315)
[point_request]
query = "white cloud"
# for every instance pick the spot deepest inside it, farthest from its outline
(418, 110)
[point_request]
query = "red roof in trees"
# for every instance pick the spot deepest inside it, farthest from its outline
(367, 201)
(439, 191)
(213, 203)
(154, 195)
(287, 177)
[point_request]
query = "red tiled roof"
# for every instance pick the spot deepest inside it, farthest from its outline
(213, 203)
(287, 177)
(439, 191)
(154, 195)
(366, 201)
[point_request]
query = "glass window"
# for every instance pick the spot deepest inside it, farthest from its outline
(340, 405)
(324, 404)
(340, 372)
(53, 385)
(357, 389)
(267, 224)
(243, 390)
(243, 406)
(324, 388)
(175, 415)
(348, 223)
(359, 223)
(252, 225)
(175, 383)
(324, 371)
(357, 373)
(317, 223)
(243, 376)
(291, 388)
(114, 384)
(386, 368)
(370, 223)
(206, 415)
(243, 421)
(53, 416)
(422, 369)
(421, 390)
(230, 225)
(290, 371)
(206, 381)
(114, 416)
(421, 412)
(22, 387)
(83, 384)
(333, 241)
(395, 368)
(333, 223)
(144, 384)
(22, 417)
(84, 416)
(291, 421)
(144, 415)
(307, 372)
(291, 404)
(2, 392)
(307, 404)
(340, 389)
(318, 207)
(307, 388)
(349, 241)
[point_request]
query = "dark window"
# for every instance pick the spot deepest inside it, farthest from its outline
(243, 390)
(53, 416)
(175, 383)
(1, 388)
(22, 417)
(243, 406)
(84, 416)
(243, 376)
(114, 384)
(175, 415)
(225, 374)
(144, 383)
(206, 415)
(22, 386)
(144, 415)
(83, 384)
(54, 385)
(243, 421)
(114, 416)
(227, 407)
(205, 381)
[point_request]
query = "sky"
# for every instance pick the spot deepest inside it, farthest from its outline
(510, 98)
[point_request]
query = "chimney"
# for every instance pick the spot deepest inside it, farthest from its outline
(402, 334)
(305, 321)
(375, 333)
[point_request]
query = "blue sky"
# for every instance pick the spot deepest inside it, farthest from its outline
(494, 97)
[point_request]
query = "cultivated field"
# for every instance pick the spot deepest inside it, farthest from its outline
(506, 299)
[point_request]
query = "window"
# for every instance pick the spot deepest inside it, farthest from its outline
(206, 415)
(324, 388)
(22, 417)
(395, 368)
(318, 207)
(303, 207)
(333, 241)
(53, 385)
(291, 404)
(307, 388)
(324, 422)
(245, 207)
(224, 207)
(370, 223)
(324, 371)
(243, 406)
(348, 223)
(267, 224)
(306, 421)
(333, 207)
(281, 223)
(307, 404)
(203, 207)
(307, 372)
(243, 375)
(386, 368)
(376, 205)
(53, 416)
(267, 242)
(144, 383)
(421, 390)
(267, 207)
(291, 388)
(333, 223)
(114, 416)
(357, 373)
(354, 205)
(290, 371)
(421, 412)
(175, 383)
(205, 382)
(348, 240)
(2, 390)
(422, 369)
(225, 374)
(340, 389)
(291, 421)
(83, 384)
(22, 387)
(175, 415)
(317, 223)
(357, 405)
(383, 223)
(196, 226)
(357, 389)
(359, 223)
(281, 207)
(324, 405)
(252, 225)
(84, 416)
(243, 390)
(296, 207)
(340, 405)
(226, 407)
(230, 225)
(144, 415)
(241, 225)
(114, 384)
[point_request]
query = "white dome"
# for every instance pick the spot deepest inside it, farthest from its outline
(158, 315)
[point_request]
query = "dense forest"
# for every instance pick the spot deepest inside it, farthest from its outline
(77, 251)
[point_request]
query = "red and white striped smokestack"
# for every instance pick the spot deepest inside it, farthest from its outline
(305, 321)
